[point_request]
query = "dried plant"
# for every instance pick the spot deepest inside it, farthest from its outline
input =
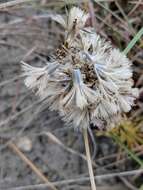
(87, 81)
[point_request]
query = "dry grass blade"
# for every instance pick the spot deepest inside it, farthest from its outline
(128, 184)
(135, 7)
(70, 150)
(14, 116)
(119, 162)
(31, 165)
(110, 11)
(91, 11)
(13, 3)
(109, 25)
(136, 2)
(137, 149)
(78, 179)
(125, 16)
(11, 80)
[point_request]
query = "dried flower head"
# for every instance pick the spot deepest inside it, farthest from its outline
(73, 23)
(89, 81)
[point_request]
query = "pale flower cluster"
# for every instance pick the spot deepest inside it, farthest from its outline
(89, 81)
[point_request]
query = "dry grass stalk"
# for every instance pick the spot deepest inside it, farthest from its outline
(34, 168)
(79, 179)
(13, 3)
(89, 162)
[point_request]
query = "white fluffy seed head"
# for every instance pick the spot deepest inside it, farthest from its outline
(89, 81)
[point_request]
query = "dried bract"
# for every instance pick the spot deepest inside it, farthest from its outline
(89, 81)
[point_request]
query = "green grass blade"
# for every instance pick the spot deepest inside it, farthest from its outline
(130, 153)
(133, 41)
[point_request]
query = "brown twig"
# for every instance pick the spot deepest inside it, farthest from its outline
(36, 170)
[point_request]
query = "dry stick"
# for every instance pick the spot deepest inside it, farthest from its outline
(89, 162)
(31, 165)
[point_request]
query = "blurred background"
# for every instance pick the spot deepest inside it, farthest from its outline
(36, 147)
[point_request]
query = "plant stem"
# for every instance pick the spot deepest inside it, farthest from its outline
(89, 162)
(133, 41)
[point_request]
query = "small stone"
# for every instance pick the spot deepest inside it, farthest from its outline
(24, 143)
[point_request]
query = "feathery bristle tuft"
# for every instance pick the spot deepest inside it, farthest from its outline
(89, 81)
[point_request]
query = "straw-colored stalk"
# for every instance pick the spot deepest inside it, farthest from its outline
(89, 162)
